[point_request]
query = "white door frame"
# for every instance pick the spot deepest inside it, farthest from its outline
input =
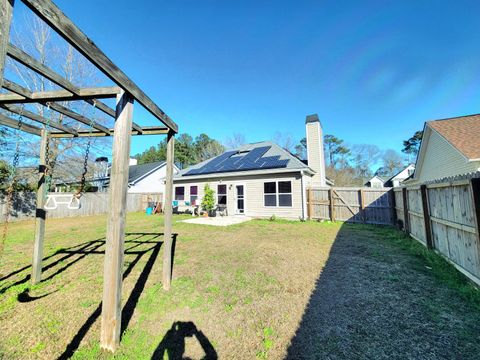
(236, 198)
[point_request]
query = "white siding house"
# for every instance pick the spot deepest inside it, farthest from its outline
(148, 178)
(449, 147)
(257, 180)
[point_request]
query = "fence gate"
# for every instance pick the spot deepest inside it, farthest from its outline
(359, 205)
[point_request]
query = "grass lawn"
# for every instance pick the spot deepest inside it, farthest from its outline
(255, 290)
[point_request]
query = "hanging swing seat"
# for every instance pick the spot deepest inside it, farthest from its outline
(53, 200)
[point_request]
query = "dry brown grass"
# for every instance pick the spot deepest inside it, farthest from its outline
(246, 288)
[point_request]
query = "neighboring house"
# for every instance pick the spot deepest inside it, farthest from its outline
(400, 177)
(148, 178)
(449, 147)
(145, 178)
(260, 179)
(375, 182)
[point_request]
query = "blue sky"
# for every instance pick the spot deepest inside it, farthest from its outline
(374, 71)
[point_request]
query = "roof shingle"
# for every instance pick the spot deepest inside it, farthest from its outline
(462, 132)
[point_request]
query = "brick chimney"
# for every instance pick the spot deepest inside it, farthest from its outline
(315, 154)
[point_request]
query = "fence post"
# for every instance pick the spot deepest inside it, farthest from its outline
(394, 206)
(426, 216)
(406, 227)
(309, 202)
(332, 204)
(362, 205)
(475, 186)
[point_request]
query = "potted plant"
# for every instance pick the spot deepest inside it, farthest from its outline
(208, 201)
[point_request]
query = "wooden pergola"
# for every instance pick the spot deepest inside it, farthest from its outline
(126, 93)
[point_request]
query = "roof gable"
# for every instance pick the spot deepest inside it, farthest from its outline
(462, 132)
(138, 172)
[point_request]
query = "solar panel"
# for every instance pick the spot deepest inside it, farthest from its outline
(252, 160)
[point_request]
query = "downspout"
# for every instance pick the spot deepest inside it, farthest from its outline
(303, 195)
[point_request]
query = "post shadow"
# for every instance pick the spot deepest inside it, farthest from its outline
(173, 343)
(129, 308)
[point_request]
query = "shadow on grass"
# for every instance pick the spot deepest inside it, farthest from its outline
(375, 299)
(173, 343)
(77, 253)
(129, 308)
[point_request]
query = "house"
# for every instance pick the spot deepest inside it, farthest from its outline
(146, 178)
(260, 179)
(449, 147)
(400, 177)
(375, 182)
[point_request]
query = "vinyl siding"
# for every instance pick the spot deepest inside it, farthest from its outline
(316, 160)
(442, 160)
(254, 196)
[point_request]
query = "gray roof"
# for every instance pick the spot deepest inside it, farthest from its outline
(271, 157)
(138, 172)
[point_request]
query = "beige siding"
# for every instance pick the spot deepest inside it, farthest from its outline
(316, 159)
(254, 199)
(443, 160)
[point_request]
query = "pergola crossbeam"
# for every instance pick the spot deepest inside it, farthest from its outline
(32, 63)
(54, 17)
(76, 116)
(17, 89)
(15, 124)
(55, 95)
(35, 117)
(146, 130)
(22, 95)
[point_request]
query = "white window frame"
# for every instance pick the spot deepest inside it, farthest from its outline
(226, 194)
(277, 194)
(175, 193)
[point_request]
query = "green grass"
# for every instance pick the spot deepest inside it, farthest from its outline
(432, 263)
(245, 287)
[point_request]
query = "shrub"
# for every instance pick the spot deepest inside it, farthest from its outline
(208, 201)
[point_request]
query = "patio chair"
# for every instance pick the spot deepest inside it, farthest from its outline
(221, 210)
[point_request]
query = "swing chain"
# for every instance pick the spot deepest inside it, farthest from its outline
(48, 166)
(11, 188)
(81, 188)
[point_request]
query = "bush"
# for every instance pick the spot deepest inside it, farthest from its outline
(208, 201)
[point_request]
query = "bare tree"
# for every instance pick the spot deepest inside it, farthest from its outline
(285, 141)
(235, 141)
(364, 158)
(35, 38)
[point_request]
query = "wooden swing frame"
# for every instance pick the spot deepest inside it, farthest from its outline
(126, 92)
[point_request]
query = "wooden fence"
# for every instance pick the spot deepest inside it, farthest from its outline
(359, 205)
(444, 216)
(24, 205)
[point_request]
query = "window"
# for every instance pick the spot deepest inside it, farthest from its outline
(277, 193)
(270, 193)
(222, 194)
(180, 193)
(284, 193)
(193, 195)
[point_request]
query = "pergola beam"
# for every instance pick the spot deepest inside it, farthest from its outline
(6, 10)
(17, 89)
(15, 124)
(90, 95)
(146, 130)
(54, 95)
(28, 114)
(54, 17)
(32, 63)
(76, 116)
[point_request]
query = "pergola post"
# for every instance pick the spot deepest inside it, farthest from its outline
(40, 213)
(167, 233)
(6, 11)
(115, 237)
